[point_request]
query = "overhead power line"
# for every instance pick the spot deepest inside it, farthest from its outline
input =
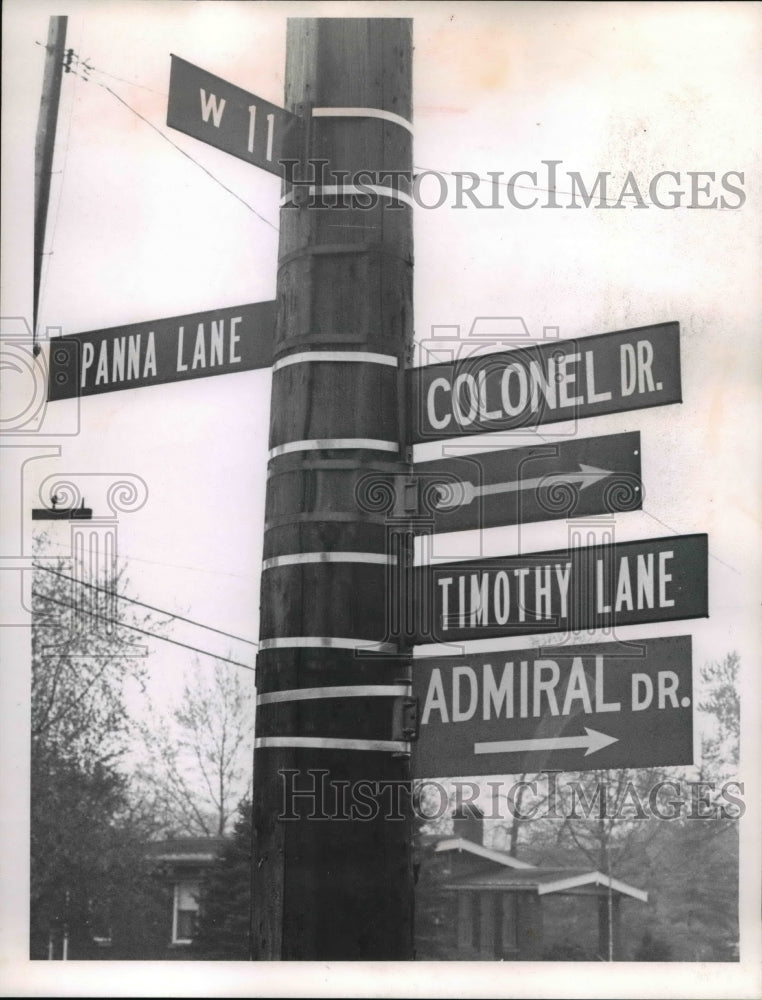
(187, 155)
(136, 628)
(151, 607)
(159, 562)
(86, 68)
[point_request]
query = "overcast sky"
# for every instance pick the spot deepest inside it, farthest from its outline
(139, 231)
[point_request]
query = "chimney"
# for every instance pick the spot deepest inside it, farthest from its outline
(468, 823)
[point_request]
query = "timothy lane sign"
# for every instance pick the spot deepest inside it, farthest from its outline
(595, 587)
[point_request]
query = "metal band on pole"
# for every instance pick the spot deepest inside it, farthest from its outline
(329, 743)
(388, 116)
(301, 558)
(307, 357)
(382, 190)
(339, 691)
(328, 444)
(325, 642)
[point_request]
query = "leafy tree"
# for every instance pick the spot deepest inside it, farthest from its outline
(721, 707)
(84, 648)
(86, 843)
(225, 905)
(199, 755)
(696, 893)
(90, 880)
(696, 883)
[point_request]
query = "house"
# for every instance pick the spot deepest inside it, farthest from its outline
(149, 912)
(181, 865)
(475, 902)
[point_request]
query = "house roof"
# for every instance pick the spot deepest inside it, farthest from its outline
(543, 881)
(499, 857)
(188, 849)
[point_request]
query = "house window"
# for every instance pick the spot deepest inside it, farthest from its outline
(185, 912)
(98, 918)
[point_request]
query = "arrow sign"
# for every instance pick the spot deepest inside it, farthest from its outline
(590, 587)
(599, 705)
(588, 474)
(217, 342)
(546, 383)
(217, 112)
(590, 743)
(575, 478)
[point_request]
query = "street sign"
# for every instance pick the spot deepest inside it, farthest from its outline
(547, 382)
(567, 708)
(217, 342)
(575, 478)
(217, 112)
(600, 586)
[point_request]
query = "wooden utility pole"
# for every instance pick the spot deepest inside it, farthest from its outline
(45, 144)
(337, 888)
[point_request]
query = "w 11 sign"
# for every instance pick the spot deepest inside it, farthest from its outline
(568, 708)
(219, 113)
(595, 587)
(217, 342)
(547, 382)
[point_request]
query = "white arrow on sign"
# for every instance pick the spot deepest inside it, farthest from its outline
(453, 495)
(590, 742)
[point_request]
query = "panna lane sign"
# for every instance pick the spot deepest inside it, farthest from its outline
(217, 342)
(570, 708)
(548, 382)
(625, 583)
